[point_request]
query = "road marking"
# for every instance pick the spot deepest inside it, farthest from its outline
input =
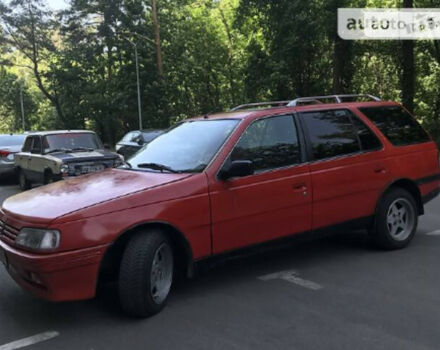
(18, 344)
(292, 277)
(434, 233)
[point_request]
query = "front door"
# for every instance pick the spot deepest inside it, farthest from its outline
(273, 202)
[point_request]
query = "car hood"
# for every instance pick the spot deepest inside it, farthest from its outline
(69, 157)
(46, 203)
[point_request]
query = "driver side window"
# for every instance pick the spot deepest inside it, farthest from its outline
(269, 143)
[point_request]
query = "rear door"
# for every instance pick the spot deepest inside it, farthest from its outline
(273, 202)
(347, 167)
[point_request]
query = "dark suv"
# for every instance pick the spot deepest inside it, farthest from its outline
(135, 140)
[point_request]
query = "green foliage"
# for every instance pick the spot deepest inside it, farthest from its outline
(78, 66)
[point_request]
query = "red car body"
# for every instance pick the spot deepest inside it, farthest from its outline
(206, 216)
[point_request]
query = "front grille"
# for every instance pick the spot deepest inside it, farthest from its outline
(8, 233)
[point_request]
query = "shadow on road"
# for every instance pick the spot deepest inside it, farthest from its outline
(21, 307)
(8, 180)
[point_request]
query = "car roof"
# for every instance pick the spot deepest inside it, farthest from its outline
(56, 132)
(258, 113)
(6, 135)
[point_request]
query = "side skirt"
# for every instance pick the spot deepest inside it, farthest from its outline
(207, 263)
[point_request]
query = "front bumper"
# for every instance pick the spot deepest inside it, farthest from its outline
(56, 277)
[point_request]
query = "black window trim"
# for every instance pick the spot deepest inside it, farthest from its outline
(352, 114)
(308, 141)
(301, 141)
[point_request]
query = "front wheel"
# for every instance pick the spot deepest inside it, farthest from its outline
(146, 274)
(48, 177)
(25, 184)
(396, 220)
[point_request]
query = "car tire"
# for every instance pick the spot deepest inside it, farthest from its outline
(146, 274)
(48, 178)
(396, 220)
(24, 183)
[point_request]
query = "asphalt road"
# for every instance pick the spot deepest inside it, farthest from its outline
(335, 293)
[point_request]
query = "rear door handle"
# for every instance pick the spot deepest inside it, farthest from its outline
(380, 170)
(300, 188)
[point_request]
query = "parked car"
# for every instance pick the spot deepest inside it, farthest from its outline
(10, 144)
(135, 140)
(215, 184)
(51, 156)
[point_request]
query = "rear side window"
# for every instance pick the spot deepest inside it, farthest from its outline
(27, 144)
(367, 138)
(331, 133)
(269, 143)
(36, 145)
(398, 126)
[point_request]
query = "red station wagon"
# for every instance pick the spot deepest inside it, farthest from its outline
(218, 183)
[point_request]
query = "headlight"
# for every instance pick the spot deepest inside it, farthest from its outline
(38, 239)
(64, 169)
(118, 162)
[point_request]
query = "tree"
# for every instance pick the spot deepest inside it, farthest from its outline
(28, 28)
(408, 68)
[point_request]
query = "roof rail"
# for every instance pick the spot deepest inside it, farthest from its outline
(261, 104)
(336, 98)
(305, 100)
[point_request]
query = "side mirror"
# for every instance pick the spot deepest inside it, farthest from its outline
(140, 141)
(237, 168)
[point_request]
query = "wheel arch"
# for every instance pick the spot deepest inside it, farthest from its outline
(109, 267)
(410, 186)
(47, 170)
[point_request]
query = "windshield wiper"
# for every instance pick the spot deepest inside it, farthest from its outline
(58, 150)
(156, 166)
(82, 149)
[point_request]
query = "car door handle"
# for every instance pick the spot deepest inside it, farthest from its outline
(300, 188)
(380, 170)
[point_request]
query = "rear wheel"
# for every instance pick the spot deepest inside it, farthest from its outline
(25, 184)
(396, 220)
(146, 274)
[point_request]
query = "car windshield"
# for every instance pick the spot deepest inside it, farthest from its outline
(11, 140)
(188, 147)
(131, 136)
(148, 136)
(71, 141)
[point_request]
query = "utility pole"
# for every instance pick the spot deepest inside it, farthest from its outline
(22, 106)
(137, 68)
(157, 38)
(138, 86)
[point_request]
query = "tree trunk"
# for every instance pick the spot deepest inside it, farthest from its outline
(342, 55)
(157, 38)
(341, 65)
(408, 69)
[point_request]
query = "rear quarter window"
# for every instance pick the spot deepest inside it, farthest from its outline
(398, 126)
